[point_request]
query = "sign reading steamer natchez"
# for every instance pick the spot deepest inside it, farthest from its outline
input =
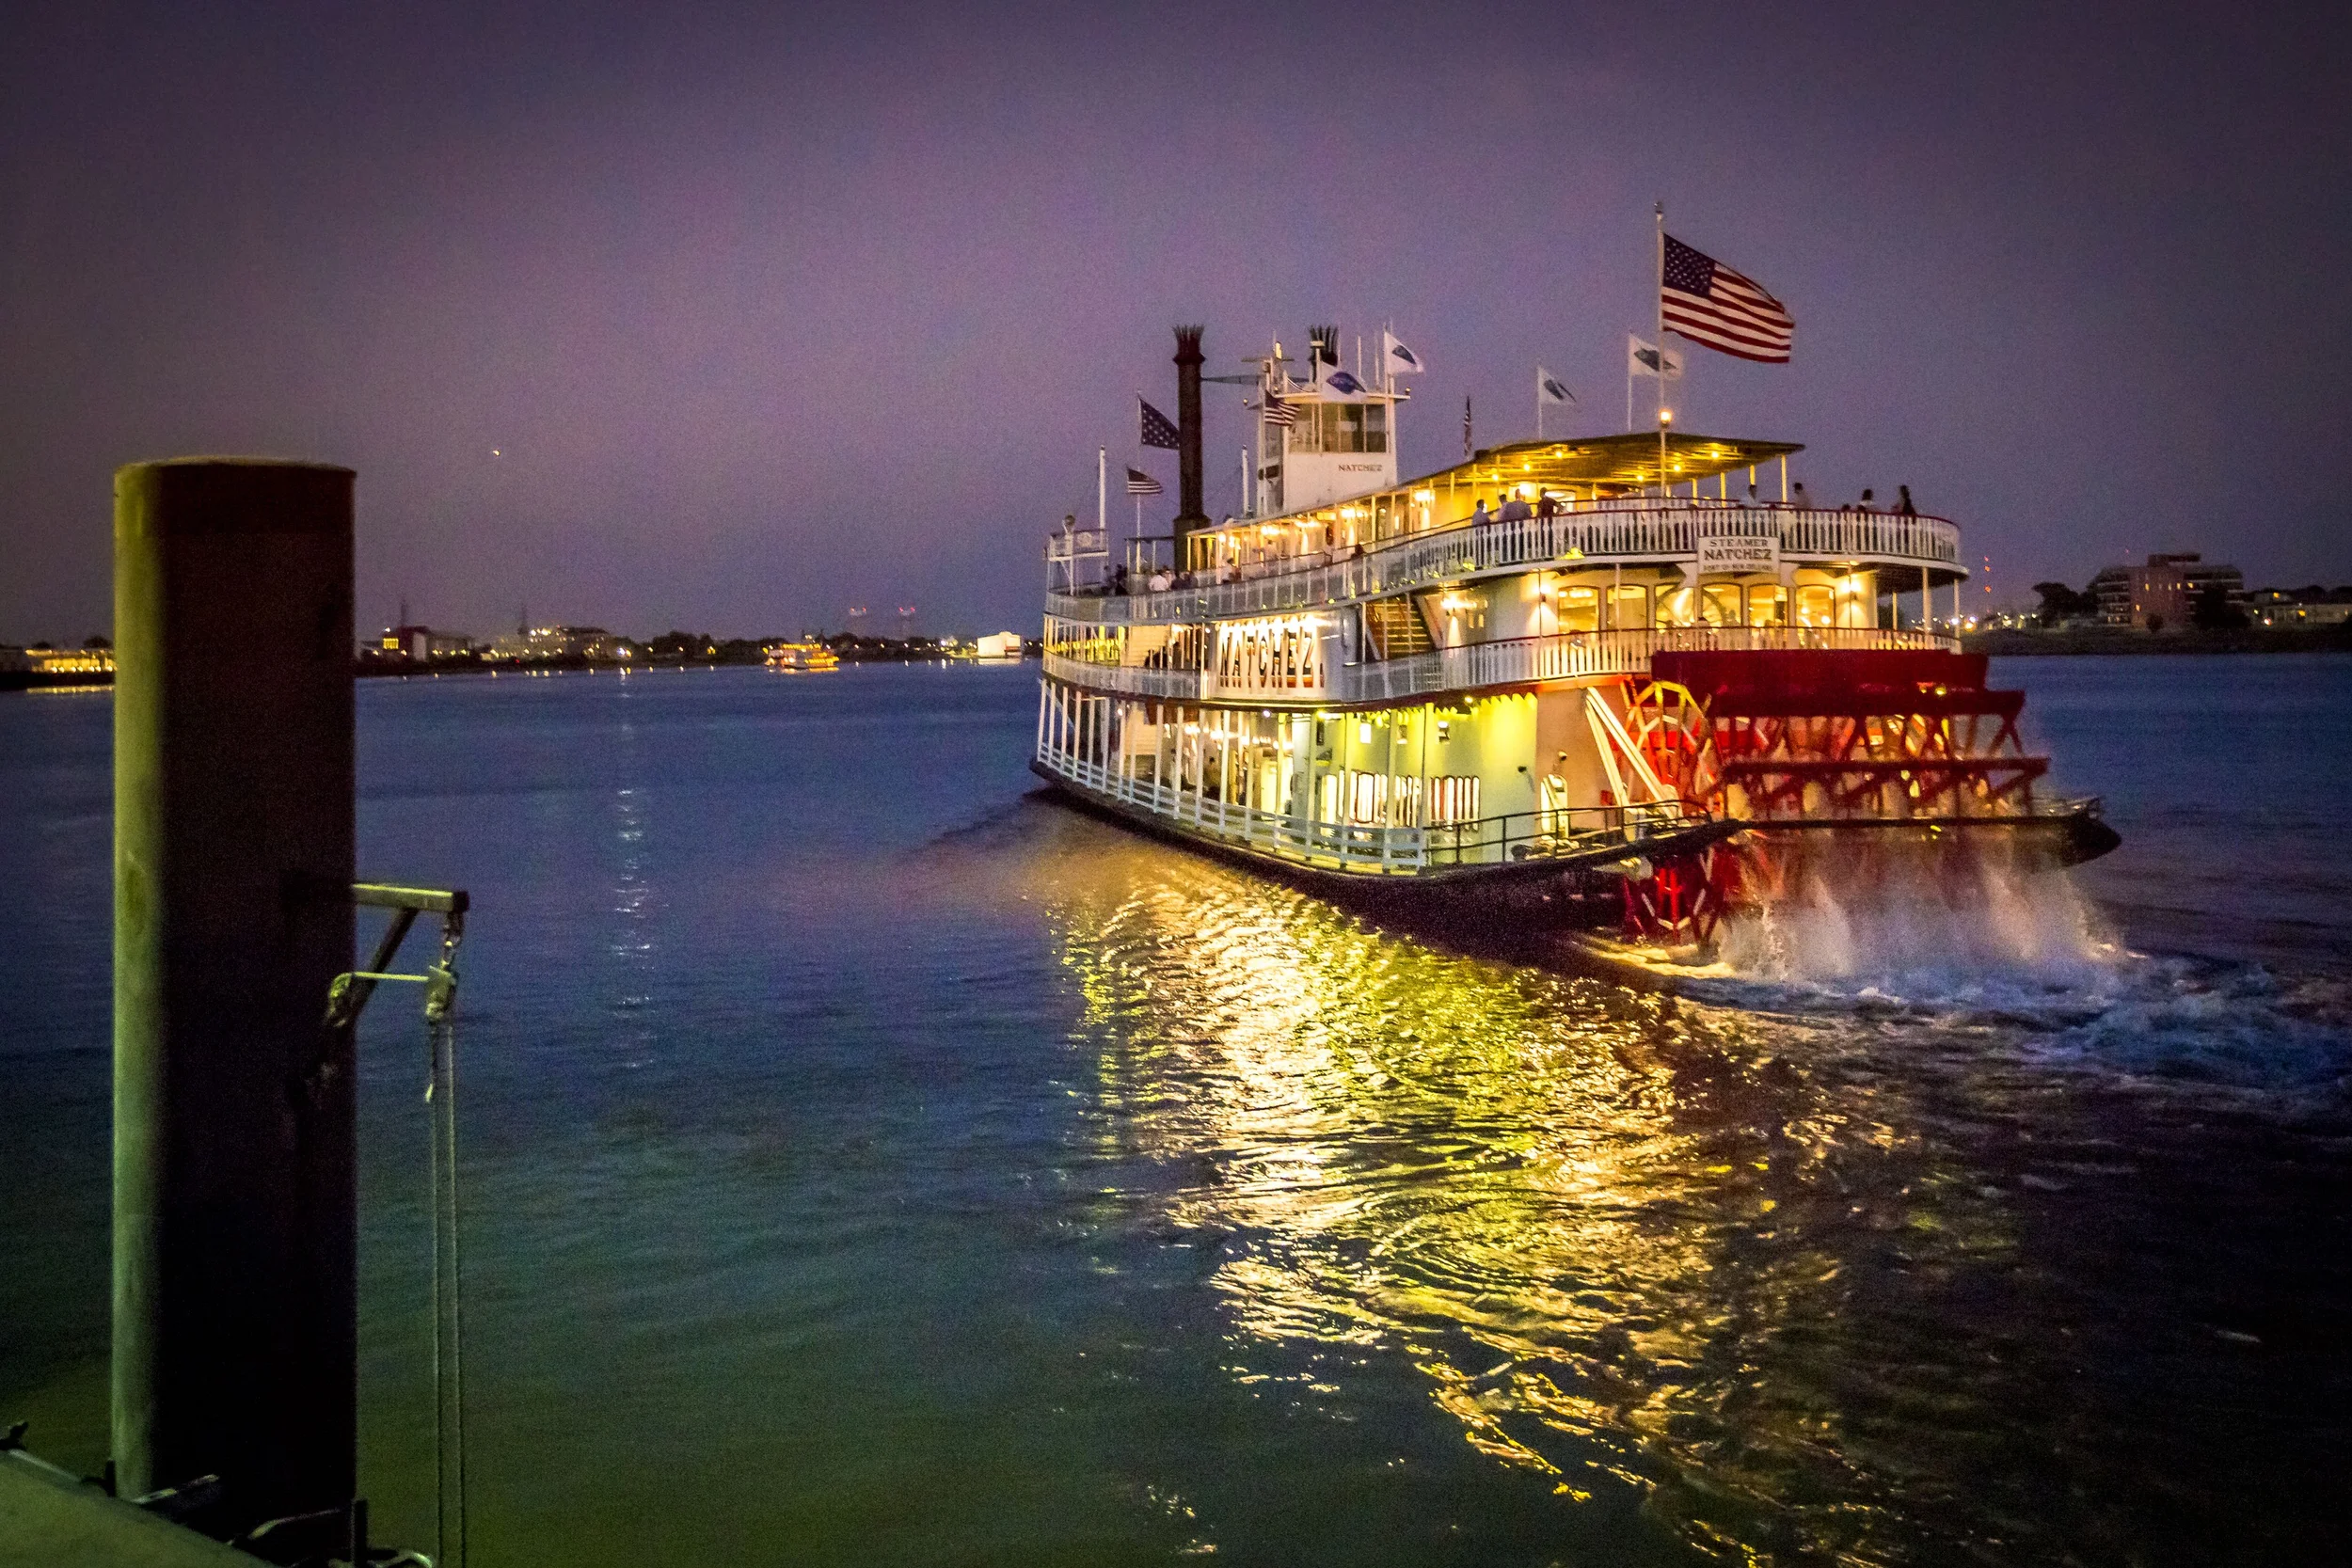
(1739, 553)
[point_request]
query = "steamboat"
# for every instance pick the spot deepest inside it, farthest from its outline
(1616, 684)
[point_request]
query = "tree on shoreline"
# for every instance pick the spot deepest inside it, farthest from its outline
(2060, 603)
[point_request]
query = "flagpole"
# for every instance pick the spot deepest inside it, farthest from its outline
(1539, 403)
(1101, 490)
(1661, 350)
(1629, 384)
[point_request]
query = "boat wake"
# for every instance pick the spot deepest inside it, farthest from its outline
(1984, 919)
(2025, 961)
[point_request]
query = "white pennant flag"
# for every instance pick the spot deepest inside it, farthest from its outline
(1397, 357)
(1642, 358)
(1336, 386)
(1548, 388)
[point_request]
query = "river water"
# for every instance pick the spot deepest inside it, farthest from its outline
(871, 1162)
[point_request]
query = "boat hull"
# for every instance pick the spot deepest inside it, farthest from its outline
(1569, 892)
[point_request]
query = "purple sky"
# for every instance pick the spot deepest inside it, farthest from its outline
(774, 309)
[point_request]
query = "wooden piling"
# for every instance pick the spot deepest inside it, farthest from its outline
(234, 1196)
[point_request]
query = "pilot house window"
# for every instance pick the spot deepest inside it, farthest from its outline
(1340, 427)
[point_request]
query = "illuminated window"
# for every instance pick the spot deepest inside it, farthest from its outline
(1816, 605)
(1340, 427)
(1454, 798)
(1719, 604)
(1767, 605)
(1579, 609)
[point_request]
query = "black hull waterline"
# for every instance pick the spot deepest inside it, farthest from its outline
(1575, 890)
(1585, 891)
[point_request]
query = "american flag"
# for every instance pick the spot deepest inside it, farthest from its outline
(1279, 411)
(1708, 303)
(1466, 428)
(1142, 484)
(1157, 430)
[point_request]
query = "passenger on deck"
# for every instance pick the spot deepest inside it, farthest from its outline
(1798, 498)
(1478, 513)
(1513, 511)
(1904, 506)
(1869, 503)
(1547, 505)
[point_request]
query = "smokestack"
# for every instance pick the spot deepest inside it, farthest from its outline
(1322, 348)
(1188, 515)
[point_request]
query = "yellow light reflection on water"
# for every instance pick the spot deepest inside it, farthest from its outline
(1584, 1214)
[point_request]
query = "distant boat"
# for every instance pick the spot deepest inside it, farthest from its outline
(802, 657)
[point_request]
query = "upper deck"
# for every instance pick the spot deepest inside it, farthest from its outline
(1639, 531)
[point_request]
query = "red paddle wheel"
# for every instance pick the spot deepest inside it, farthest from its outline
(1800, 741)
(1860, 736)
(1684, 898)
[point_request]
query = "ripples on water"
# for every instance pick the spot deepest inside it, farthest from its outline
(925, 1172)
(1889, 1247)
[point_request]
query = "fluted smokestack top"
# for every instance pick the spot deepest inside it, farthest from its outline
(1188, 360)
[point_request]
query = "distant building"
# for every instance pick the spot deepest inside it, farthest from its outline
(70, 661)
(70, 665)
(1006, 645)
(540, 643)
(420, 644)
(2164, 593)
(2300, 607)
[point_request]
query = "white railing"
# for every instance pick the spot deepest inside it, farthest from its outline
(1596, 536)
(1571, 654)
(1133, 679)
(1337, 846)
(1470, 667)
(1538, 835)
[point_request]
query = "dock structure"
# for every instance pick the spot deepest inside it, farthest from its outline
(60, 1521)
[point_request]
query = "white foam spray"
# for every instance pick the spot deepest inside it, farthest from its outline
(1919, 918)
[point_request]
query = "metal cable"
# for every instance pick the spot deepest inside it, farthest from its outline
(448, 1376)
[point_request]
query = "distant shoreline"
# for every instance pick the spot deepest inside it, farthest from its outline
(1999, 644)
(2120, 640)
(18, 680)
